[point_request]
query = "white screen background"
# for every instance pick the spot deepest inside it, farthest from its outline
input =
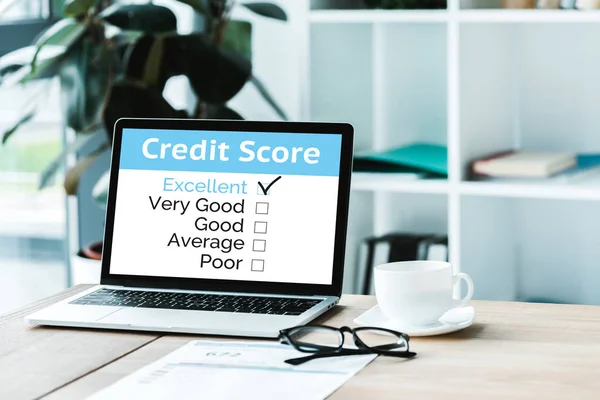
(299, 243)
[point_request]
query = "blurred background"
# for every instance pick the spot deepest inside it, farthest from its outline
(438, 93)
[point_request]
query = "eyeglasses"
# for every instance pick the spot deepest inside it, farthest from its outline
(327, 341)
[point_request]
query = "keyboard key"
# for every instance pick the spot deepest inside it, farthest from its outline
(197, 302)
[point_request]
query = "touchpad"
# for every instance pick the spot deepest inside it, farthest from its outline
(139, 317)
(74, 313)
(174, 319)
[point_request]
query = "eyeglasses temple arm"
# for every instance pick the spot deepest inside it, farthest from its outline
(392, 346)
(316, 346)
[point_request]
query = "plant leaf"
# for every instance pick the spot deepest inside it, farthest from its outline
(100, 190)
(75, 8)
(65, 33)
(238, 38)
(15, 67)
(51, 169)
(146, 17)
(85, 78)
(152, 67)
(33, 62)
(222, 112)
(73, 177)
(137, 62)
(214, 74)
(23, 119)
(268, 98)
(197, 5)
(14, 78)
(11, 62)
(121, 36)
(134, 100)
(268, 10)
(28, 111)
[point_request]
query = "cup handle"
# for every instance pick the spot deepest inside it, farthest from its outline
(470, 288)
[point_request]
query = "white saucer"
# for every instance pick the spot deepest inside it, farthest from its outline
(454, 320)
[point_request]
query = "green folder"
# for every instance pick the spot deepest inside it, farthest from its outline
(429, 159)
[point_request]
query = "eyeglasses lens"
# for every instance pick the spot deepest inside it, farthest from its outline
(382, 340)
(314, 339)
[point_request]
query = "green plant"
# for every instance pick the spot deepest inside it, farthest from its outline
(113, 61)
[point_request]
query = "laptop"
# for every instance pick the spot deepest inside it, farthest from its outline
(213, 227)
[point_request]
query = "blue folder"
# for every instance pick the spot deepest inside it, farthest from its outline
(426, 158)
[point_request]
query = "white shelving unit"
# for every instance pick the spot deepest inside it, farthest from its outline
(478, 80)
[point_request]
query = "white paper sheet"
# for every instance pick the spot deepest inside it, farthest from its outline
(228, 370)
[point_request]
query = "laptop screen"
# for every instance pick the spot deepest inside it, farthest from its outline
(249, 206)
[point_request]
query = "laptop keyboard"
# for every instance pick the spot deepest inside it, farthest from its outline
(197, 302)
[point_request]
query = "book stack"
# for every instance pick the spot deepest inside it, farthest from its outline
(394, 247)
(531, 166)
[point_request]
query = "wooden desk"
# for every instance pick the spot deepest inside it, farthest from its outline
(514, 351)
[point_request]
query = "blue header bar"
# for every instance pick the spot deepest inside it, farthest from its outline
(233, 152)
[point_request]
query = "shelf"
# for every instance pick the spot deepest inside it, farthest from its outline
(483, 85)
(390, 183)
(530, 190)
(372, 16)
(528, 16)
(464, 16)
(557, 191)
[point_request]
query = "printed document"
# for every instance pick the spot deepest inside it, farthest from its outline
(235, 369)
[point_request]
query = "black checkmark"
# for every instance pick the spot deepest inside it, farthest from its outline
(266, 189)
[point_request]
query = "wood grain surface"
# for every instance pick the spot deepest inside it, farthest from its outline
(513, 351)
(35, 361)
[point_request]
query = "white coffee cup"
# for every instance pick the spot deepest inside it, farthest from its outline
(418, 293)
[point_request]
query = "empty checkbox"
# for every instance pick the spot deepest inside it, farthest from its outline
(260, 191)
(260, 227)
(262, 208)
(259, 245)
(257, 265)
